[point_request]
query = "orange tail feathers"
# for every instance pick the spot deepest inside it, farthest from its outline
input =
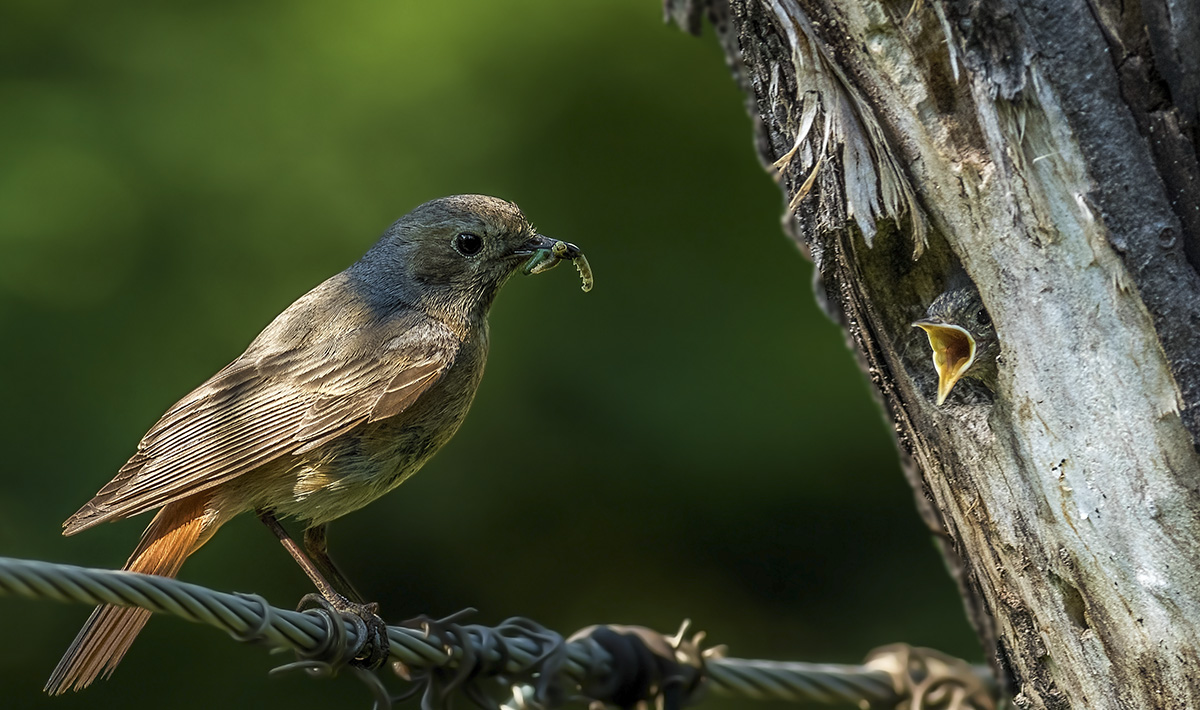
(174, 534)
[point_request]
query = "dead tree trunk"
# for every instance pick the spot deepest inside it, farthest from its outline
(1048, 149)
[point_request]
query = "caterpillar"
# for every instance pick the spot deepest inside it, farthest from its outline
(546, 259)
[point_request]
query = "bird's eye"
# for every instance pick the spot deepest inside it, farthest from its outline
(983, 318)
(468, 244)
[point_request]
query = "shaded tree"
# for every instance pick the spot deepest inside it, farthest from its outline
(1046, 150)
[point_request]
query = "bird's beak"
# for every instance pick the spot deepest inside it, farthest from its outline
(953, 353)
(544, 243)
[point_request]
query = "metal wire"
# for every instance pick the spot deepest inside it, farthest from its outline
(801, 682)
(517, 648)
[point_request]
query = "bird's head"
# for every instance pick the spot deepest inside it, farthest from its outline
(962, 337)
(452, 255)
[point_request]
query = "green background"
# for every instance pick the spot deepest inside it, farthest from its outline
(691, 439)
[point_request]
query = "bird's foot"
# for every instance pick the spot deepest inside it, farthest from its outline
(375, 648)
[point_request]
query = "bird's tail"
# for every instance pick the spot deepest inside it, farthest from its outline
(174, 534)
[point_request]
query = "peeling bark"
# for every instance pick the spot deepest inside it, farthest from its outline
(1046, 148)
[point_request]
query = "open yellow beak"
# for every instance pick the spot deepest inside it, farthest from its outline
(953, 353)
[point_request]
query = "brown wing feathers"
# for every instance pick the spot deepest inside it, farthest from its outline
(248, 415)
(404, 389)
(329, 416)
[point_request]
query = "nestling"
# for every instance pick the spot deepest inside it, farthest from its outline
(962, 337)
(342, 397)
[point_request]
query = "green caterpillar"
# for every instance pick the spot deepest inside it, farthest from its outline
(546, 259)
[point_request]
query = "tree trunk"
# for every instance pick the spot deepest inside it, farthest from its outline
(1048, 149)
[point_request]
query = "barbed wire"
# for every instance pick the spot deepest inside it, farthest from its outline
(620, 665)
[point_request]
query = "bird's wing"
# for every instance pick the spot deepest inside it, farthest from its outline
(258, 409)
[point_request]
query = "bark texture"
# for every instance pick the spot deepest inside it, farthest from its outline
(1046, 148)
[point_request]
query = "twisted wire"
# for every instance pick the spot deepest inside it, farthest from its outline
(513, 647)
(801, 682)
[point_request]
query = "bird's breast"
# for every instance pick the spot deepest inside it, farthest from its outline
(375, 457)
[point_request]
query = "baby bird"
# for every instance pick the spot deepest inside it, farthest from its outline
(962, 337)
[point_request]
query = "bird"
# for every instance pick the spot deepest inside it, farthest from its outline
(962, 337)
(343, 396)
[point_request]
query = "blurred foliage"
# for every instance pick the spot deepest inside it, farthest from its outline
(690, 439)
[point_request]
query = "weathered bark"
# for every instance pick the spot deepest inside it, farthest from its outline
(1048, 149)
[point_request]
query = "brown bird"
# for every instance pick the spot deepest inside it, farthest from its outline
(339, 400)
(962, 337)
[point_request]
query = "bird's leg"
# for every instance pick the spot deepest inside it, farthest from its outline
(375, 652)
(316, 542)
(324, 587)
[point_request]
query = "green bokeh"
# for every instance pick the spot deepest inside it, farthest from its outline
(691, 439)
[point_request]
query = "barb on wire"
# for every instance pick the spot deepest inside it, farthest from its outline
(625, 666)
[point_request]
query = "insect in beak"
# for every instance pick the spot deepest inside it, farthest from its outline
(549, 252)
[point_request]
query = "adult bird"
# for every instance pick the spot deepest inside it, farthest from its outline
(962, 338)
(340, 399)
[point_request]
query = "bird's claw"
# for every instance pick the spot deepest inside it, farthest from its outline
(375, 647)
